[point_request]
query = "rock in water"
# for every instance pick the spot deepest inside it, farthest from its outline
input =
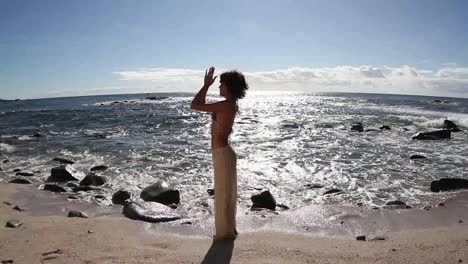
(53, 188)
(64, 161)
(433, 135)
(357, 127)
(161, 193)
(263, 200)
(20, 181)
(385, 128)
(25, 174)
(149, 212)
(333, 191)
(93, 179)
(413, 157)
(63, 174)
(449, 184)
(99, 168)
(449, 125)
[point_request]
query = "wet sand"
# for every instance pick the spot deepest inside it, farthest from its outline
(108, 238)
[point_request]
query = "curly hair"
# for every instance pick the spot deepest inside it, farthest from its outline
(235, 81)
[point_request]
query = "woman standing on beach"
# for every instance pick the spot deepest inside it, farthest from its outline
(232, 87)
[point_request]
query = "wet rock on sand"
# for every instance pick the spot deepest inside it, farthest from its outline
(149, 212)
(74, 213)
(63, 174)
(53, 188)
(161, 193)
(20, 181)
(120, 197)
(14, 223)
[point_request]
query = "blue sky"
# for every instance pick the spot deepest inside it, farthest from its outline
(63, 48)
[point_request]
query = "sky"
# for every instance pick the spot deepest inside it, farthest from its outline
(71, 48)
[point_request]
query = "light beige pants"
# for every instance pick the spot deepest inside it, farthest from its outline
(224, 163)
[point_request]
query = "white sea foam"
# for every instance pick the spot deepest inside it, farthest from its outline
(7, 148)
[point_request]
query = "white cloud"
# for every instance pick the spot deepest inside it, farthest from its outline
(403, 79)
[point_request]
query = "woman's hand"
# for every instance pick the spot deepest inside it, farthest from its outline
(209, 80)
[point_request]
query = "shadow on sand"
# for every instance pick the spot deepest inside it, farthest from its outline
(220, 252)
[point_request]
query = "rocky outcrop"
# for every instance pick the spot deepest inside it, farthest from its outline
(449, 184)
(433, 135)
(160, 193)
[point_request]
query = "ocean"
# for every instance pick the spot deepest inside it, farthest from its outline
(285, 142)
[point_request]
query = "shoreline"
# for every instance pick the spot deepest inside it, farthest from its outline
(110, 239)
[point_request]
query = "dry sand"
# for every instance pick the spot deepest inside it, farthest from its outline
(110, 239)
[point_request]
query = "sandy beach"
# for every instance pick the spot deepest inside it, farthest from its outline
(114, 239)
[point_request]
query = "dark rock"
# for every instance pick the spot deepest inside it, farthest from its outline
(20, 181)
(359, 204)
(64, 161)
(333, 191)
(449, 184)
(427, 207)
(161, 193)
(72, 184)
(99, 168)
(385, 128)
(86, 188)
(157, 98)
(1, 169)
(72, 197)
(264, 200)
(210, 192)
(53, 188)
(372, 130)
(405, 129)
(7, 261)
(26, 174)
(395, 203)
(19, 209)
(313, 186)
(73, 213)
(120, 197)
(433, 135)
(186, 223)
(149, 212)
(378, 238)
(16, 170)
(357, 127)
(7, 203)
(5, 161)
(14, 223)
(285, 207)
(413, 157)
(361, 238)
(437, 101)
(100, 197)
(93, 179)
(460, 221)
(449, 125)
(37, 135)
(441, 204)
(63, 174)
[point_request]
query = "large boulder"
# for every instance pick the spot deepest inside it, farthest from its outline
(263, 200)
(449, 125)
(161, 193)
(149, 212)
(357, 127)
(64, 174)
(449, 184)
(433, 135)
(93, 179)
